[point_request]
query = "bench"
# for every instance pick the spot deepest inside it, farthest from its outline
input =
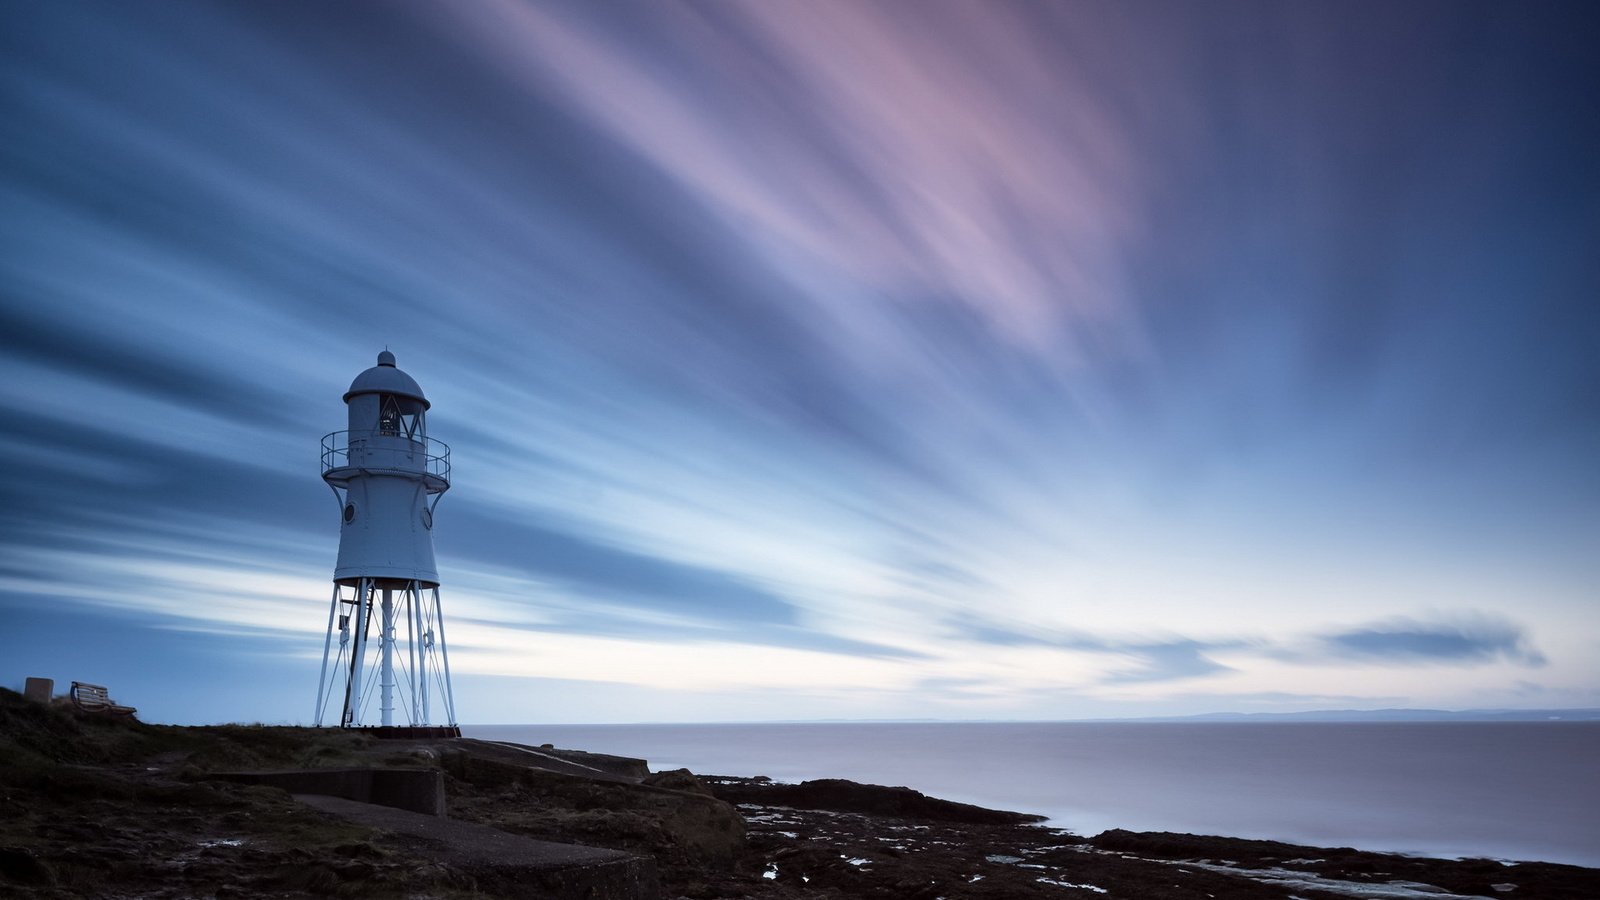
(94, 698)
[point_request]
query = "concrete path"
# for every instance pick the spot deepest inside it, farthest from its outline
(598, 766)
(508, 864)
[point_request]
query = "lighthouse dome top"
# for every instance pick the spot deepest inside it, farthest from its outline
(385, 378)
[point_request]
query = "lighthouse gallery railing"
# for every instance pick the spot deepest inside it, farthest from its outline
(381, 451)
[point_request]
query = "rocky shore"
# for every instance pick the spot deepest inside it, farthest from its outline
(99, 807)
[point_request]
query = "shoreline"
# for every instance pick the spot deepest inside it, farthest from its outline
(1518, 798)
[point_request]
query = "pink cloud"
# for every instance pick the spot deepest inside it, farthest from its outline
(917, 150)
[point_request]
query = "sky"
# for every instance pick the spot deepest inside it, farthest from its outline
(989, 360)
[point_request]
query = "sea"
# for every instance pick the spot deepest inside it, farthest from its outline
(1501, 790)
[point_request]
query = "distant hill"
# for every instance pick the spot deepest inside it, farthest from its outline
(1316, 715)
(1390, 715)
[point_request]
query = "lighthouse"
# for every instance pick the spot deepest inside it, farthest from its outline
(388, 476)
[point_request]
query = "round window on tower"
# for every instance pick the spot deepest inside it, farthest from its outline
(349, 512)
(427, 518)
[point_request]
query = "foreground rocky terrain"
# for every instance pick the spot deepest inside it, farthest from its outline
(97, 807)
(842, 844)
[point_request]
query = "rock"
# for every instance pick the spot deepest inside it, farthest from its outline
(839, 795)
(21, 866)
(679, 780)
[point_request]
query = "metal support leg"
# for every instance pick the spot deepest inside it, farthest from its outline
(444, 651)
(327, 644)
(418, 658)
(358, 653)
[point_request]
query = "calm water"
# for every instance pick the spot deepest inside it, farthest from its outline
(1526, 791)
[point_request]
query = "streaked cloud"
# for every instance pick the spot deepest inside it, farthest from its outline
(914, 164)
(1167, 662)
(1464, 640)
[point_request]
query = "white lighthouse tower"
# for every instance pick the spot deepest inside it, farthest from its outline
(388, 476)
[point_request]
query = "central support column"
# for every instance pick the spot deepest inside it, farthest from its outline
(387, 676)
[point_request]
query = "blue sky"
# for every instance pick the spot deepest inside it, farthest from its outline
(964, 360)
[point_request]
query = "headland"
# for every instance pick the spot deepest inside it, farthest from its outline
(106, 806)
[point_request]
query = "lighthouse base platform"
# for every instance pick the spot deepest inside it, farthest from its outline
(409, 732)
